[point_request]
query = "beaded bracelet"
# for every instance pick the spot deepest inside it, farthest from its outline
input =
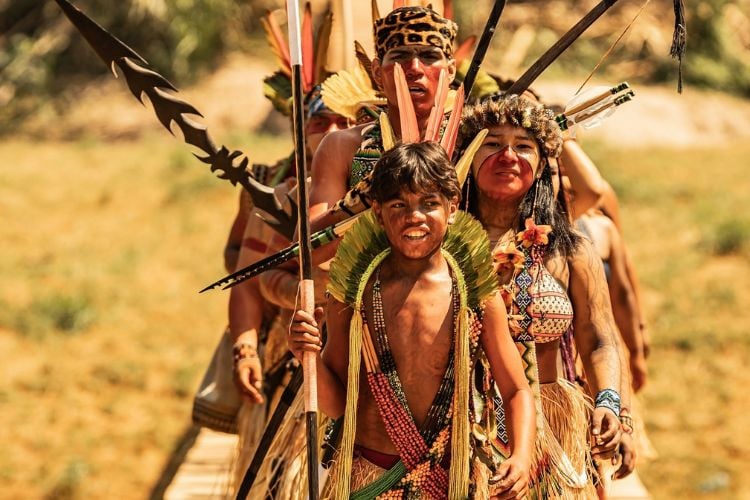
(243, 350)
(608, 398)
(626, 423)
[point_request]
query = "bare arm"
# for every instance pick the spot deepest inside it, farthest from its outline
(611, 208)
(330, 170)
(245, 318)
(279, 285)
(625, 309)
(594, 329)
(507, 369)
(593, 324)
(585, 178)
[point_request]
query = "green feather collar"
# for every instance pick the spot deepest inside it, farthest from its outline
(466, 241)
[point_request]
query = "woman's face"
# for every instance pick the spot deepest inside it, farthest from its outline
(508, 162)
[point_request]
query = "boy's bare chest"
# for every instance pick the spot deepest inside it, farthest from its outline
(418, 326)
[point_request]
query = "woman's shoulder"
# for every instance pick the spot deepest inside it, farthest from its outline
(582, 251)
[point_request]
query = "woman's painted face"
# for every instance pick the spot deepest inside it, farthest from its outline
(508, 161)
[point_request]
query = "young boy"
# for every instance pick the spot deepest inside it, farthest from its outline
(413, 295)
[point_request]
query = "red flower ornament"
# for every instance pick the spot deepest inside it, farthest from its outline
(508, 257)
(533, 234)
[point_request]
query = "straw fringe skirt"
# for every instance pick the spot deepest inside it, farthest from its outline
(280, 470)
(566, 410)
(364, 472)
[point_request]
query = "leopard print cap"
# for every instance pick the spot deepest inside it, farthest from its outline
(414, 26)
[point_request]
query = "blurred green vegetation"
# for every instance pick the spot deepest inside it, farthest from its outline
(41, 55)
(718, 40)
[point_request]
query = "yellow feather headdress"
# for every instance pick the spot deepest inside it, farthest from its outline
(278, 87)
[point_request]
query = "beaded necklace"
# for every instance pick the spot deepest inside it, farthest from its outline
(421, 450)
(437, 415)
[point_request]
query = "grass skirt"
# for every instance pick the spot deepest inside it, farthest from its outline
(364, 472)
(566, 410)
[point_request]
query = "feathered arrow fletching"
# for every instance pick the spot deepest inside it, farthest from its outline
(169, 109)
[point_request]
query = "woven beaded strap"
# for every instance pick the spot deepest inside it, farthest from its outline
(626, 421)
(243, 352)
(608, 398)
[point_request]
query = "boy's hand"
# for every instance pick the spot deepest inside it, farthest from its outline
(248, 375)
(605, 426)
(511, 481)
(304, 335)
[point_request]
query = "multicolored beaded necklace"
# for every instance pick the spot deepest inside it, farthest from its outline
(421, 450)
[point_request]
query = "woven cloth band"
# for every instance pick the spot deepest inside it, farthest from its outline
(608, 398)
(414, 26)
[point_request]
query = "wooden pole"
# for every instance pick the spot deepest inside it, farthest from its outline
(483, 45)
(306, 287)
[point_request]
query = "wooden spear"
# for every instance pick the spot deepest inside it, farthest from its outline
(306, 287)
(483, 45)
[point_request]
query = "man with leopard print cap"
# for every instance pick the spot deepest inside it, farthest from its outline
(414, 26)
(421, 41)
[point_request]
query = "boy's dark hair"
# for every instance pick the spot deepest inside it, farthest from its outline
(418, 167)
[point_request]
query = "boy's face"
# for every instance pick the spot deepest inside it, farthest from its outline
(415, 223)
(320, 124)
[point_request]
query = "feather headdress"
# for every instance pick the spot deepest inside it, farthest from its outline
(278, 87)
(410, 131)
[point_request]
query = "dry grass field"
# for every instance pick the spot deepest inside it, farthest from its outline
(104, 337)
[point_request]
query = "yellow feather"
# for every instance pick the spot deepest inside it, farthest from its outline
(386, 132)
(463, 165)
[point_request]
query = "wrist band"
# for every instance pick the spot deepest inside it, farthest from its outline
(608, 398)
(626, 423)
(243, 350)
